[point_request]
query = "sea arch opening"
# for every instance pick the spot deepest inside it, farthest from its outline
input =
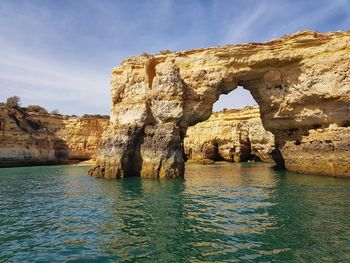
(234, 132)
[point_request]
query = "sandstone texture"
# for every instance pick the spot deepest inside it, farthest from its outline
(28, 138)
(301, 83)
(230, 135)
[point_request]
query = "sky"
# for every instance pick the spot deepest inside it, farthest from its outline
(59, 54)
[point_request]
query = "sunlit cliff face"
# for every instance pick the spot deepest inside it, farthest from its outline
(230, 135)
(300, 82)
(28, 138)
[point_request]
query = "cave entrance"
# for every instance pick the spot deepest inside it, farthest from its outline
(234, 132)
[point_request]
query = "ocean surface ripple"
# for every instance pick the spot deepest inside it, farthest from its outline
(221, 213)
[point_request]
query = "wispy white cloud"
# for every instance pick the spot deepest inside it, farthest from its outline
(59, 53)
(52, 84)
(270, 19)
(310, 20)
(242, 25)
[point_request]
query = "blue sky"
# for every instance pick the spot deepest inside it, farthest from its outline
(59, 54)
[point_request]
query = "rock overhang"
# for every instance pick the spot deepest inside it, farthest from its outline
(300, 82)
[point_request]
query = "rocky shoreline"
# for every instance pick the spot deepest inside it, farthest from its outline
(162, 113)
(29, 138)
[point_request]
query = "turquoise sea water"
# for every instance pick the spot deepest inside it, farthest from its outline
(222, 213)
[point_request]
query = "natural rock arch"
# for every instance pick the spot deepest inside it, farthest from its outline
(301, 83)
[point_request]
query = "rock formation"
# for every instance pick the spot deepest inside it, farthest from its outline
(230, 135)
(301, 83)
(30, 138)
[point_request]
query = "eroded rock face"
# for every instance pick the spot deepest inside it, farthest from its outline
(300, 82)
(81, 135)
(31, 138)
(24, 141)
(230, 135)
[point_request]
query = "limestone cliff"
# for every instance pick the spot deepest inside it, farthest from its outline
(80, 134)
(28, 138)
(231, 135)
(301, 83)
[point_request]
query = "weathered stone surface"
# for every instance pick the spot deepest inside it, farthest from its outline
(24, 141)
(30, 138)
(300, 82)
(161, 151)
(323, 151)
(230, 135)
(81, 135)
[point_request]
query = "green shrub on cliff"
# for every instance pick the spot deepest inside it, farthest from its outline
(37, 108)
(13, 102)
(99, 116)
